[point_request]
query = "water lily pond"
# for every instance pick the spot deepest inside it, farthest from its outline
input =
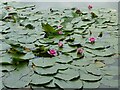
(58, 48)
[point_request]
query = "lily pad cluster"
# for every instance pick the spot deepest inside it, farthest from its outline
(58, 48)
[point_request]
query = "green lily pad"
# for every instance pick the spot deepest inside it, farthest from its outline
(39, 80)
(6, 59)
(4, 46)
(27, 39)
(18, 78)
(110, 70)
(7, 68)
(103, 53)
(61, 66)
(97, 45)
(43, 62)
(51, 84)
(67, 74)
(93, 69)
(13, 81)
(63, 59)
(46, 71)
(110, 82)
(27, 56)
(77, 84)
(89, 77)
(81, 62)
(66, 48)
(91, 85)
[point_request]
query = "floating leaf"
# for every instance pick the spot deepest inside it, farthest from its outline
(99, 64)
(81, 62)
(97, 45)
(51, 84)
(4, 46)
(38, 79)
(61, 66)
(13, 81)
(7, 68)
(90, 77)
(6, 59)
(103, 53)
(43, 62)
(110, 82)
(91, 85)
(46, 71)
(66, 48)
(93, 69)
(110, 70)
(77, 84)
(28, 55)
(63, 59)
(18, 78)
(67, 74)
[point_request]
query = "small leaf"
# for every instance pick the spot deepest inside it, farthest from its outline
(99, 64)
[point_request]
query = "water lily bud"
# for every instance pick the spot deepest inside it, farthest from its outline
(80, 50)
(60, 32)
(90, 7)
(60, 44)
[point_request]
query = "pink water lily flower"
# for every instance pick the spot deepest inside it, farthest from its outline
(60, 26)
(90, 7)
(92, 39)
(60, 44)
(52, 52)
(80, 50)
(60, 32)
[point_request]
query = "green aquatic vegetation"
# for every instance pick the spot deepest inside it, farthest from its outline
(58, 48)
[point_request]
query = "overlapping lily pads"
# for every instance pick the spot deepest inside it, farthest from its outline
(28, 34)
